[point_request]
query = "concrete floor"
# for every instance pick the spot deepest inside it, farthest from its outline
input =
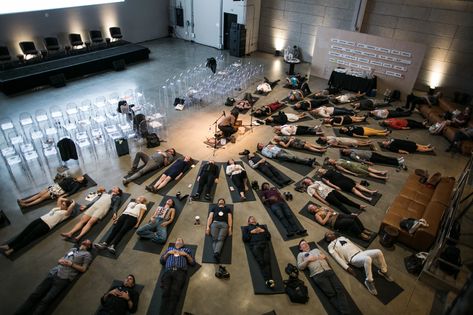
(187, 130)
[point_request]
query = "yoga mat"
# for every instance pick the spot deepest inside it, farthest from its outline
(387, 291)
(226, 252)
(354, 238)
(250, 196)
(336, 131)
(166, 189)
(126, 238)
(298, 168)
(5, 222)
(148, 246)
(422, 153)
(348, 158)
(156, 298)
(277, 222)
(284, 176)
(100, 225)
(287, 100)
(261, 93)
(308, 117)
(262, 117)
(138, 288)
(196, 185)
(367, 177)
(305, 151)
(259, 286)
(140, 180)
(324, 300)
(90, 183)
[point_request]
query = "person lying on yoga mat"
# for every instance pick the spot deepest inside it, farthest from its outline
(219, 225)
(429, 99)
(314, 102)
(388, 113)
(346, 253)
(344, 183)
(345, 223)
(296, 143)
(282, 118)
(293, 130)
(73, 263)
(267, 169)
(151, 162)
(272, 151)
(258, 239)
(370, 158)
(238, 176)
(347, 98)
(363, 132)
(245, 103)
(344, 142)
(356, 168)
(323, 276)
(96, 210)
(129, 219)
(122, 299)
(274, 200)
(208, 177)
(295, 81)
(405, 146)
(156, 229)
(176, 260)
(40, 226)
(329, 111)
(64, 188)
(402, 124)
(369, 104)
(174, 172)
(266, 87)
(267, 110)
(344, 120)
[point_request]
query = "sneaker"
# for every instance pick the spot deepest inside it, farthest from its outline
(270, 283)
(196, 196)
(289, 196)
(371, 288)
(111, 249)
(101, 245)
(207, 197)
(301, 232)
(290, 234)
(244, 152)
(385, 275)
(222, 273)
(125, 182)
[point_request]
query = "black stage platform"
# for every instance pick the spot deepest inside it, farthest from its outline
(50, 72)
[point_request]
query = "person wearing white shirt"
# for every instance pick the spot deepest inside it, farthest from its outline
(328, 111)
(293, 130)
(272, 151)
(238, 176)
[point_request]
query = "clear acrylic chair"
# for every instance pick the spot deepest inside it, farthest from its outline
(26, 121)
(42, 119)
(7, 126)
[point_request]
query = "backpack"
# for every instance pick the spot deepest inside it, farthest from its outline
(294, 287)
(152, 140)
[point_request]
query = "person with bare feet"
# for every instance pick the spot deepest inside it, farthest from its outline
(356, 169)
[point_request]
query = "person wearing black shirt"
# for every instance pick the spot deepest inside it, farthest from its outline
(219, 225)
(267, 170)
(207, 178)
(405, 146)
(363, 132)
(121, 299)
(174, 172)
(258, 237)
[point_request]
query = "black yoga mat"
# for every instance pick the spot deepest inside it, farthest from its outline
(226, 252)
(322, 297)
(277, 222)
(367, 177)
(152, 247)
(90, 183)
(308, 117)
(100, 225)
(336, 131)
(250, 196)
(354, 238)
(165, 190)
(387, 291)
(287, 100)
(284, 176)
(140, 180)
(422, 153)
(341, 156)
(115, 283)
(121, 246)
(196, 185)
(4, 221)
(300, 169)
(270, 313)
(259, 286)
(304, 151)
(156, 298)
(262, 117)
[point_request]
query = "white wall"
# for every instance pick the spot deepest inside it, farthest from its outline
(208, 22)
(253, 12)
(236, 7)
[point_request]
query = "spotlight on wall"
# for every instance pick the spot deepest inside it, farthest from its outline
(277, 53)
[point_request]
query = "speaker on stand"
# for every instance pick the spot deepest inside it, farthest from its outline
(237, 40)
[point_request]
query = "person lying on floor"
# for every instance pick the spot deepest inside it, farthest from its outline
(41, 226)
(329, 111)
(355, 168)
(402, 124)
(219, 226)
(344, 142)
(267, 110)
(282, 118)
(258, 239)
(295, 81)
(309, 104)
(267, 86)
(405, 146)
(208, 177)
(342, 222)
(151, 162)
(329, 196)
(238, 176)
(272, 151)
(370, 158)
(344, 183)
(323, 276)
(300, 93)
(347, 98)
(344, 120)
(174, 172)
(388, 113)
(63, 188)
(296, 143)
(156, 229)
(129, 219)
(429, 99)
(295, 130)
(95, 211)
(245, 103)
(369, 104)
(121, 299)
(274, 200)
(363, 132)
(267, 169)
(346, 253)
(460, 135)
(73, 263)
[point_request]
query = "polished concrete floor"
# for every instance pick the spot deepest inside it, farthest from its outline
(186, 132)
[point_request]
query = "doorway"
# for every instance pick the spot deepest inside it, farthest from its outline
(228, 19)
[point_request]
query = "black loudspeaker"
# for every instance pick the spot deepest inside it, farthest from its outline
(237, 40)
(179, 17)
(121, 145)
(119, 65)
(58, 80)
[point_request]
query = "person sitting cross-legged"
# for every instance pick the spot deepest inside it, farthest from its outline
(156, 229)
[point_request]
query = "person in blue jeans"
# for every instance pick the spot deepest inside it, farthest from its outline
(156, 229)
(219, 225)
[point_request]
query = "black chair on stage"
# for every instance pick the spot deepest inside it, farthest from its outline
(51, 44)
(28, 48)
(4, 54)
(115, 33)
(96, 37)
(75, 40)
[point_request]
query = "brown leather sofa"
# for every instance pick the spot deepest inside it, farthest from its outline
(435, 114)
(417, 200)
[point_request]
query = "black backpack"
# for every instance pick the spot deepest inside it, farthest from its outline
(294, 287)
(450, 254)
(152, 140)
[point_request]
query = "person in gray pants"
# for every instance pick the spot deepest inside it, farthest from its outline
(219, 225)
(151, 162)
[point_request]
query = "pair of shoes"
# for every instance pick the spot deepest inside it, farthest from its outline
(288, 196)
(371, 288)
(150, 188)
(222, 273)
(111, 249)
(261, 122)
(124, 182)
(301, 232)
(207, 197)
(270, 283)
(255, 185)
(385, 275)
(244, 152)
(217, 257)
(101, 245)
